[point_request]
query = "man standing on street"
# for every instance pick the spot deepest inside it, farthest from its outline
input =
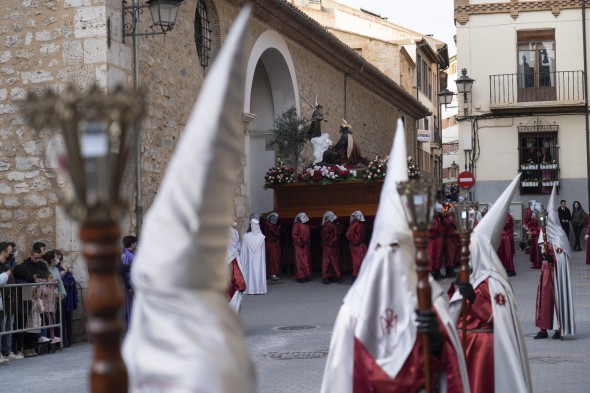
(565, 217)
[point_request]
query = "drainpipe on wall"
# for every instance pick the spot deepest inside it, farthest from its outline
(139, 146)
(346, 74)
(584, 51)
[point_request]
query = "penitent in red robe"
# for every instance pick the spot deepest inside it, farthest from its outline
(356, 235)
(368, 377)
(273, 249)
(330, 257)
(300, 233)
(535, 231)
(545, 305)
(436, 234)
(236, 282)
(479, 355)
(526, 220)
(451, 237)
(506, 248)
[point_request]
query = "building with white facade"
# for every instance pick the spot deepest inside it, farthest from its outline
(527, 111)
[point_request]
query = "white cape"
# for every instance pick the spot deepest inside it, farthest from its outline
(511, 367)
(254, 262)
(184, 336)
(385, 291)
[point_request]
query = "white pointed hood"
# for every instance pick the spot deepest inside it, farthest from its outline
(384, 292)
(486, 237)
(184, 336)
(387, 279)
(511, 368)
(555, 233)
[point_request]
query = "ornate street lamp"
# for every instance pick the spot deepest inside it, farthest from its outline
(465, 214)
(464, 85)
(446, 97)
(164, 13)
(419, 196)
(89, 155)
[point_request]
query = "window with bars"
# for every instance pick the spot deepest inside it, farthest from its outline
(538, 158)
(203, 34)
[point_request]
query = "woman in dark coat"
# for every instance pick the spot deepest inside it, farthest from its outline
(578, 223)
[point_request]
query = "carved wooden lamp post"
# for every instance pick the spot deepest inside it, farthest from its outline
(419, 196)
(89, 155)
(465, 214)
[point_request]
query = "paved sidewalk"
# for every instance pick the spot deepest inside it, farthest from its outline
(288, 331)
(293, 360)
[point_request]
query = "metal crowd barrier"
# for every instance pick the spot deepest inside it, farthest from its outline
(28, 315)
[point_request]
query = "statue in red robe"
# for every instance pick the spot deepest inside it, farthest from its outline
(356, 235)
(301, 237)
(331, 271)
(273, 246)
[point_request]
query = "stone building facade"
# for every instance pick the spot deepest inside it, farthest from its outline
(289, 59)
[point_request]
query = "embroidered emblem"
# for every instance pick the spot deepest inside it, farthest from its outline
(388, 322)
(500, 299)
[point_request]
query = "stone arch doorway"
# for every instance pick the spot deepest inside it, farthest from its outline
(271, 89)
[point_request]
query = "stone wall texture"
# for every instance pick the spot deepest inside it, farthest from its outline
(51, 43)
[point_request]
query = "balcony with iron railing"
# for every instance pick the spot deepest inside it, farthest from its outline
(558, 91)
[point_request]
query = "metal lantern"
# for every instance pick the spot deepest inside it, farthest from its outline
(89, 154)
(542, 217)
(97, 132)
(465, 215)
(419, 196)
(164, 12)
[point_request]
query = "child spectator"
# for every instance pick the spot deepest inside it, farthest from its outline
(46, 293)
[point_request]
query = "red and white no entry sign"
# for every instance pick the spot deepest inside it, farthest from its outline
(466, 180)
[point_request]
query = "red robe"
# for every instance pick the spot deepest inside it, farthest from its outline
(368, 377)
(451, 241)
(300, 233)
(236, 279)
(545, 306)
(436, 234)
(526, 220)
(330, 255)
(588, 245)
(506, 248)
(479, 354)
(273, 249)
(356, 235)
(535, 231)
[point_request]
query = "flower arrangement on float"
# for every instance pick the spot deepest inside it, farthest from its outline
(280, 174)
(317, 174)
(376, 169)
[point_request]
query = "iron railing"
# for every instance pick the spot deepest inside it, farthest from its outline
(559, 86)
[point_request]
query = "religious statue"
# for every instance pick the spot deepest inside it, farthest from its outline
(315, 128)
(320, 145)
(346, 148)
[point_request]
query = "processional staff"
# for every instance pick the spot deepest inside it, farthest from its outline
(465, 214)
(419, 196)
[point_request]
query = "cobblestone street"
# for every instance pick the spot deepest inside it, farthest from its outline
(288, 331)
